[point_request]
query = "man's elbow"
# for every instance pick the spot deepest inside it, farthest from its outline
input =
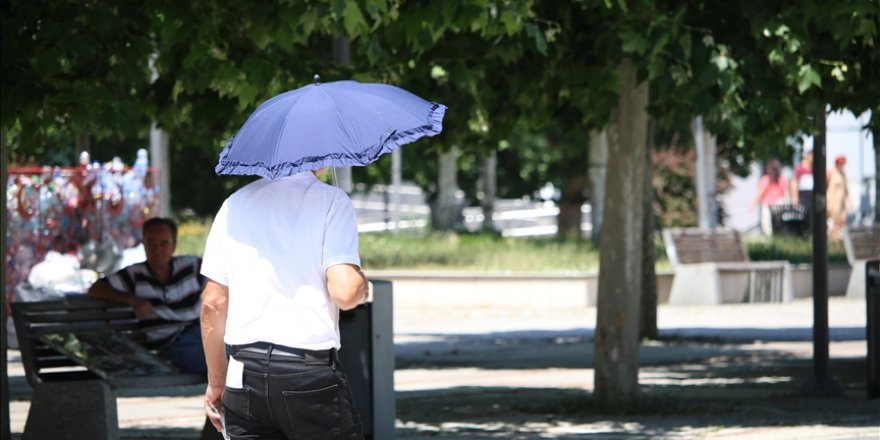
(215, 299)
(95, 289)
(347, 286)
(351, 295)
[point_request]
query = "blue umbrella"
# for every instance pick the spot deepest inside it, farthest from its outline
(342, 123)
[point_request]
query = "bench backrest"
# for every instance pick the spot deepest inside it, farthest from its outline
(861, 242)
(696, 245)
(32, 319)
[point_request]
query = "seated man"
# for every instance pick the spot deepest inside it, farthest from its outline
(162, 290)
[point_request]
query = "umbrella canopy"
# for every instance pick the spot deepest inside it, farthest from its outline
(342, 123)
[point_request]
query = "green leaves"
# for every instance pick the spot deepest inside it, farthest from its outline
(634, 42)
(353, 20)
(540, 43)
(807, 77)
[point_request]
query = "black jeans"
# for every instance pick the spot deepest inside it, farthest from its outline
(286, 396)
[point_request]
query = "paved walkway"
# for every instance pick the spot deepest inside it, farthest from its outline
(731, 371)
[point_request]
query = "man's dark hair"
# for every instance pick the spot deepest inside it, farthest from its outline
(161, 221)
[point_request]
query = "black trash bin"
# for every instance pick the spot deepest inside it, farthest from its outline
(872, 301)
(789, 219)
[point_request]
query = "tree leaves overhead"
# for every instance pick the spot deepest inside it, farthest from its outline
(509, 70)
(73, 66)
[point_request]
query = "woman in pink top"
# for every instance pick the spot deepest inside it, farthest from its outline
(771, 191)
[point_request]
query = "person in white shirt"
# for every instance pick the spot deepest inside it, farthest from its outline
(281, 261)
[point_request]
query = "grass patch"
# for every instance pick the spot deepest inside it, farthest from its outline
(796, 250)
(493, 253)
(191, 236)
(477, 252)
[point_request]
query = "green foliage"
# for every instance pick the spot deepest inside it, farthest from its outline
(486, 252)
(468, 252)
(476, 252)
(797, 250)
(73, 68)
(512, 72)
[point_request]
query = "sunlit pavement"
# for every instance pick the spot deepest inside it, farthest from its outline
(731, 371)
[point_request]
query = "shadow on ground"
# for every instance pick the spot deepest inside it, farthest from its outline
(694, 383)
(683, 401)
(574, 348)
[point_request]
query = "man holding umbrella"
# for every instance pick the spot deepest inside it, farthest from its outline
(282, 258)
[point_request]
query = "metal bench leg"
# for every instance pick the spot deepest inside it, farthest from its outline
(72, 410)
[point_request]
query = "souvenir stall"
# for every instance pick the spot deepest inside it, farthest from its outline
(68, 226)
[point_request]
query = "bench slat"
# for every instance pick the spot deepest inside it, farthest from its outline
(81, 315)
(861, 242)
(92, 315)
(692, 246)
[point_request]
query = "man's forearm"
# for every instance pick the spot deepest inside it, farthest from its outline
(213, 322)
(104, 291)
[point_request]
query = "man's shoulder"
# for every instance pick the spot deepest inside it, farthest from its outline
(186, 260)
(134, 268)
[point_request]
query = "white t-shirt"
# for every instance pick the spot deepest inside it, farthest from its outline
(271, 244)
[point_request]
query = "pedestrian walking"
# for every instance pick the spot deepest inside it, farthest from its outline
(837, 197)
(282, 258)
(802, 186)
(771, 192)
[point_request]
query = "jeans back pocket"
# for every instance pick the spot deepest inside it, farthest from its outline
(314, 414)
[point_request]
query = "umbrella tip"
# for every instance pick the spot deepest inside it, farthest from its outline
(317, 79)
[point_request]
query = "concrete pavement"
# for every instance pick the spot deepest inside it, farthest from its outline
(527, 373)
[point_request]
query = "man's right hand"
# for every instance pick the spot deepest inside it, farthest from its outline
(214, 406)
(143, 308)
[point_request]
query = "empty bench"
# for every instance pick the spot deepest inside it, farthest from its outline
(712, 267)
(78, 353)
(862, 243)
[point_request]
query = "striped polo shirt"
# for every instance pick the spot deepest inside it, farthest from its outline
(178, 300)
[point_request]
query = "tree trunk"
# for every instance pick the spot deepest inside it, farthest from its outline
(342, 55)
(82, 143)
(620, 267)
(396, 183)
(704, 143)
(598, 163)
(648, 313)
(488, 186)
(160, 163)
(446, 210)
(570, 202)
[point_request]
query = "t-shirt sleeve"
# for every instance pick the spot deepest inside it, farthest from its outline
(340, 233)
(121, 280)
(215, 262)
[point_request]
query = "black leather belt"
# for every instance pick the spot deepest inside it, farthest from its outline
(268, 350)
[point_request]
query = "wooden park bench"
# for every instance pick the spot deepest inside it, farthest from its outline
(862, 243)
(80, 353)
(712, 267)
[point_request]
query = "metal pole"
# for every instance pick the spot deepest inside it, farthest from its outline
(822, 383)
(5, 431)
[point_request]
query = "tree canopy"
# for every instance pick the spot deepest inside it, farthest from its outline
(523, 77)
